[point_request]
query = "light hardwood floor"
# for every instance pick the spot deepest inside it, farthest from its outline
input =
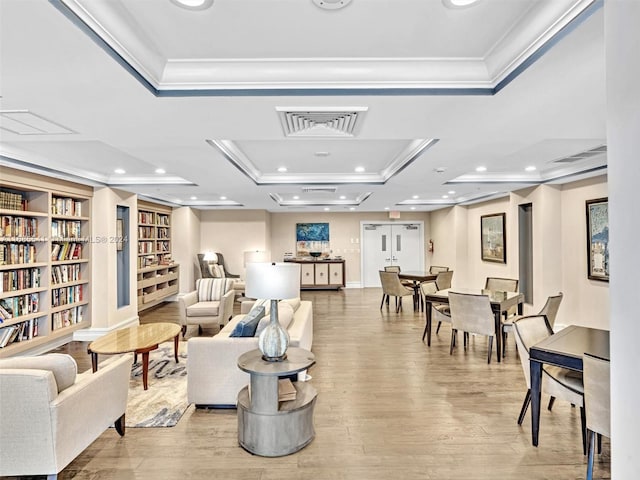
(388, 407)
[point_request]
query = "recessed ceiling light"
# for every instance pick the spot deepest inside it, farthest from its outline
(160, 171)
(481, 169)
(194, 198)
(326, 209)
(359, 169)
(322, 154)
(296, 197)
(193, 4)
(386, 208)
(120, 171)
(530, 168)
(331, 4)
(223, 197)
(282, 169)
(352, 208)
(451, 192)
(445, 196)
(415, 197)
(342, 197)
(459, 3)
(413, 208)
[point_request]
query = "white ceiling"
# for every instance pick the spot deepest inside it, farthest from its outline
(437, 91)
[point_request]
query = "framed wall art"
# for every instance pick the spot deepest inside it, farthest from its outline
(312, 239)
(493, 237)
(598, 239)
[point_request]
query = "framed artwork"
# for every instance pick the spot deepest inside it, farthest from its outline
(598, 239)
(312, 239)
(493, 236)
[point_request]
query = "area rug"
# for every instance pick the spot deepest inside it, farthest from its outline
(165, 400)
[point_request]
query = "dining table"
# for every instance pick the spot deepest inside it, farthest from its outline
(500, 301)
(563, 349)
(417, 277)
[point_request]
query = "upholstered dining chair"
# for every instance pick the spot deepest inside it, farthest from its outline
(597, 404)
(471, 314)
(556, 381)
(549, 310)
(439, 312)
(392, 287)
(437, 269)
(443, 280)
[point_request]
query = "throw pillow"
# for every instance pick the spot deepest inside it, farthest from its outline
(63, 366)
(248, 325)
(294, 302)
(285, 317)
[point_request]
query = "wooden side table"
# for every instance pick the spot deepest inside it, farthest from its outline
(266, 426)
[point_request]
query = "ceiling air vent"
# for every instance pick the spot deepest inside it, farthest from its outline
(321, 122)
(319, 189)
(583, 155)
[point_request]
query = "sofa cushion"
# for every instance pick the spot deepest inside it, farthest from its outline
(204, 309)
(212, 289)
(285, 316)
(248, 325)
(294, 302)
(63, 366)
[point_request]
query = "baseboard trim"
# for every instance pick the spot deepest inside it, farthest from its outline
(91, 334)
(353, 285)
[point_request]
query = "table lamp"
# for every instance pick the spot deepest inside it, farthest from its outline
(256, 256)
(274, 281)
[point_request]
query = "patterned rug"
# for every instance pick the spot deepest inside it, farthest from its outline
(164, 402)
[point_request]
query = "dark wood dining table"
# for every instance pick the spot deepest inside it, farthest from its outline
(417, 277)
(562, 349)
(501, 302)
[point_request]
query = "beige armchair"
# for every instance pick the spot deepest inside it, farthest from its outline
(211, 303)
(393, 287)
(49, 414)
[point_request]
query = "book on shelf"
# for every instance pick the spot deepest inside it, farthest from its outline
(12, 200)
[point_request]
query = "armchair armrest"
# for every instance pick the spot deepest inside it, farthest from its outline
(184, 302)
(226, 306)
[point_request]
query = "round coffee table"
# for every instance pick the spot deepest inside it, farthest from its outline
(137, 339)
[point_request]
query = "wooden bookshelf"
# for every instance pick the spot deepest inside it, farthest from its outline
(45, 228)
(157, 274)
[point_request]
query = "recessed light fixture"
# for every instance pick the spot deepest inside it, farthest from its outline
(415, 197)
(359, 169)
(223, 197)
(445, 196)
(331, 4)
(459, 3)
(386, 208)
(296, 197)
(352, 208)
(451, 192)
(282, 169)
(481, 169)
(326, 209)
(413, 208)
(160, 171)
(194, 198)
(342, 197)
(530, 168)
(120, 171)
(193, 4)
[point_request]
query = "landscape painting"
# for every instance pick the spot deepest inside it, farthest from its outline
(598, 239)
(312, 239)
(493, 238)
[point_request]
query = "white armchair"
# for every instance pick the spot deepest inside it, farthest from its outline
(210, 303)
(51, 414)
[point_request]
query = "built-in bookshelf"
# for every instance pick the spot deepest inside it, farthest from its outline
(157, 273)
(45, 252)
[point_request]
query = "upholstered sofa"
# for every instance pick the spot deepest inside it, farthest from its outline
(213, 376)
(49, 414)
(211, 303)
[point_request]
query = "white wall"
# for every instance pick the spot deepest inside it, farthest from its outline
(185, 243)
(622, 42)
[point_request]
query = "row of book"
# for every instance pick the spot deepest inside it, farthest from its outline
(148, 218)
(147, 261)
(66, 228)
(163, 219)
(14, 253)
(18, 306)
(145, 232)
(163, 232)
(12, 200)
(20, 331)
(68, 317)
(20, 279)
(66, 251)
(65, 273)
(162, 246)
(145, 247)
(11, 226)
(66, 206)
(66, 295)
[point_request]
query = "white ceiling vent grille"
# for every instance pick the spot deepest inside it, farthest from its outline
(583, 155)
(319, 189)
(321, 122)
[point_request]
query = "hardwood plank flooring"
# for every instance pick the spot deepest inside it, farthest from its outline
(388, 407)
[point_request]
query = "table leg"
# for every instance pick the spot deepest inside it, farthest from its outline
(94, 361)
(536, 383)
(427, 327)
(498, 317)
(175, 347)
(145, 368)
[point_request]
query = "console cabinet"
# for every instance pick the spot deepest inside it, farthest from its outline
(321, 274)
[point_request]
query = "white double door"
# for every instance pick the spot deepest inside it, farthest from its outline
(385, 244)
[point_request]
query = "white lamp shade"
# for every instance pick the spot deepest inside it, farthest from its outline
(210, 257)
(273, 280)
(256, 256)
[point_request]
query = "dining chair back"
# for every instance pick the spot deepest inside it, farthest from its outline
(501, 284)
(551, 307)
(556, 381)
(392, 268)
(437, 269)
(471, 314)
(597, 402)
(443, 280)
(393, 287)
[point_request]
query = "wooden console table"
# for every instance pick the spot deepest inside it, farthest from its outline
(321, 274)
(266, 426)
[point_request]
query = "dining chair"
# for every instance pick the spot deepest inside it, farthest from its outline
(439, 312)
(471, 314)
(597, 404)
(443, 280)
(392, 287)
(501, 284)
(556, 381)
(550, 310)
(437, 269)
